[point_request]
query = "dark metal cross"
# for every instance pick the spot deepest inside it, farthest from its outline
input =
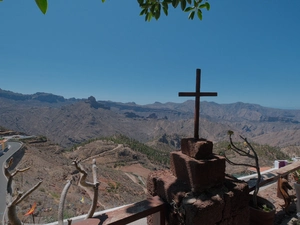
(197, 96)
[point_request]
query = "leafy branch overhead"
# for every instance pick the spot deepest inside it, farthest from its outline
(154, 8)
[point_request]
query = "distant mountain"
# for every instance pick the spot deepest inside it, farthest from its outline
(39, 96)
(70, 121)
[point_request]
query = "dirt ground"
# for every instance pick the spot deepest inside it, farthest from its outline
(49, 163)
(117, 167)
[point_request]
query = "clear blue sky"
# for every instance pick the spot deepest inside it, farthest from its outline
(248, 51)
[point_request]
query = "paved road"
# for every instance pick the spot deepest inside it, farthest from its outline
(13, 147)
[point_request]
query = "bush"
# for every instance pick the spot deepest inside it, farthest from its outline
(154, 155)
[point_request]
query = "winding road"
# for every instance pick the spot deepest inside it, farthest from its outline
(12, 148)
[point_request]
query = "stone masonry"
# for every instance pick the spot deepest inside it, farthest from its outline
(197, 190)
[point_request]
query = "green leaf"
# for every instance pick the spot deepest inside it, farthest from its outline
(139, 1)
(207, 6)
(157, 11)
(196, 3)
(157, 14)
(189, 1)
(175, 3)
(149, 16)
(183, 5)
(145, 6)
(202, 6)
(199, 14)
(188, 9)
(165, 5)
(103, 1)
(152, 9)
(191, 15)
(165, 11)
(43, 5)
(144, 11)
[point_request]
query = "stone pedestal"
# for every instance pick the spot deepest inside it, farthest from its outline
(198, 174)
(196, 148)
(197, 189)
(225, 205)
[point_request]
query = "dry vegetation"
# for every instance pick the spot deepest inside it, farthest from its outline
(118, 166)
(123, 166)
(266, 154)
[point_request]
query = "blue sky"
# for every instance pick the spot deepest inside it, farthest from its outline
(249, 51)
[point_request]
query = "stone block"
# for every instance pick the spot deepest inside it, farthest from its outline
(238, 192)
(226, 204)
(164, 184)
(236, 198)
(204, 211)
(241, 217)
(198, 174)
(196, 148)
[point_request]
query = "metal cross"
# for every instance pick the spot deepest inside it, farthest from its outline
(197, 96)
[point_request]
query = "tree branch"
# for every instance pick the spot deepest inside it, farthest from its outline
(238, 164)
(62, 203)
(30, 191)
(95, 188)
(19, 170)
(238, 150)
(11, 208)
(83, 174)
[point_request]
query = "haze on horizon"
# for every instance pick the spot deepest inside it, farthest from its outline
(155, 102)
(248, 52)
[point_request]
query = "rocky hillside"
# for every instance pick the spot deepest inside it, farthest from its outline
(72, 121)
(122, 173)
(123, 166)
(121, 160)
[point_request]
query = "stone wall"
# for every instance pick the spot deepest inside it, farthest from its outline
(198, 191)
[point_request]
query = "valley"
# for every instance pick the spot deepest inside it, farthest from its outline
(72, 121)
(128, 141)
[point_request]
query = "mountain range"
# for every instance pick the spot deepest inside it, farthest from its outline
(72, 121)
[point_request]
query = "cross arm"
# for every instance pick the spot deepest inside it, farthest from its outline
(193, 94)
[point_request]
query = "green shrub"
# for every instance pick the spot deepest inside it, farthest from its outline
(154, 155)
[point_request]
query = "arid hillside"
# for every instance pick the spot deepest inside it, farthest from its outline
(128, 141)
(73, 121)
(122, 173)
(123, 166)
